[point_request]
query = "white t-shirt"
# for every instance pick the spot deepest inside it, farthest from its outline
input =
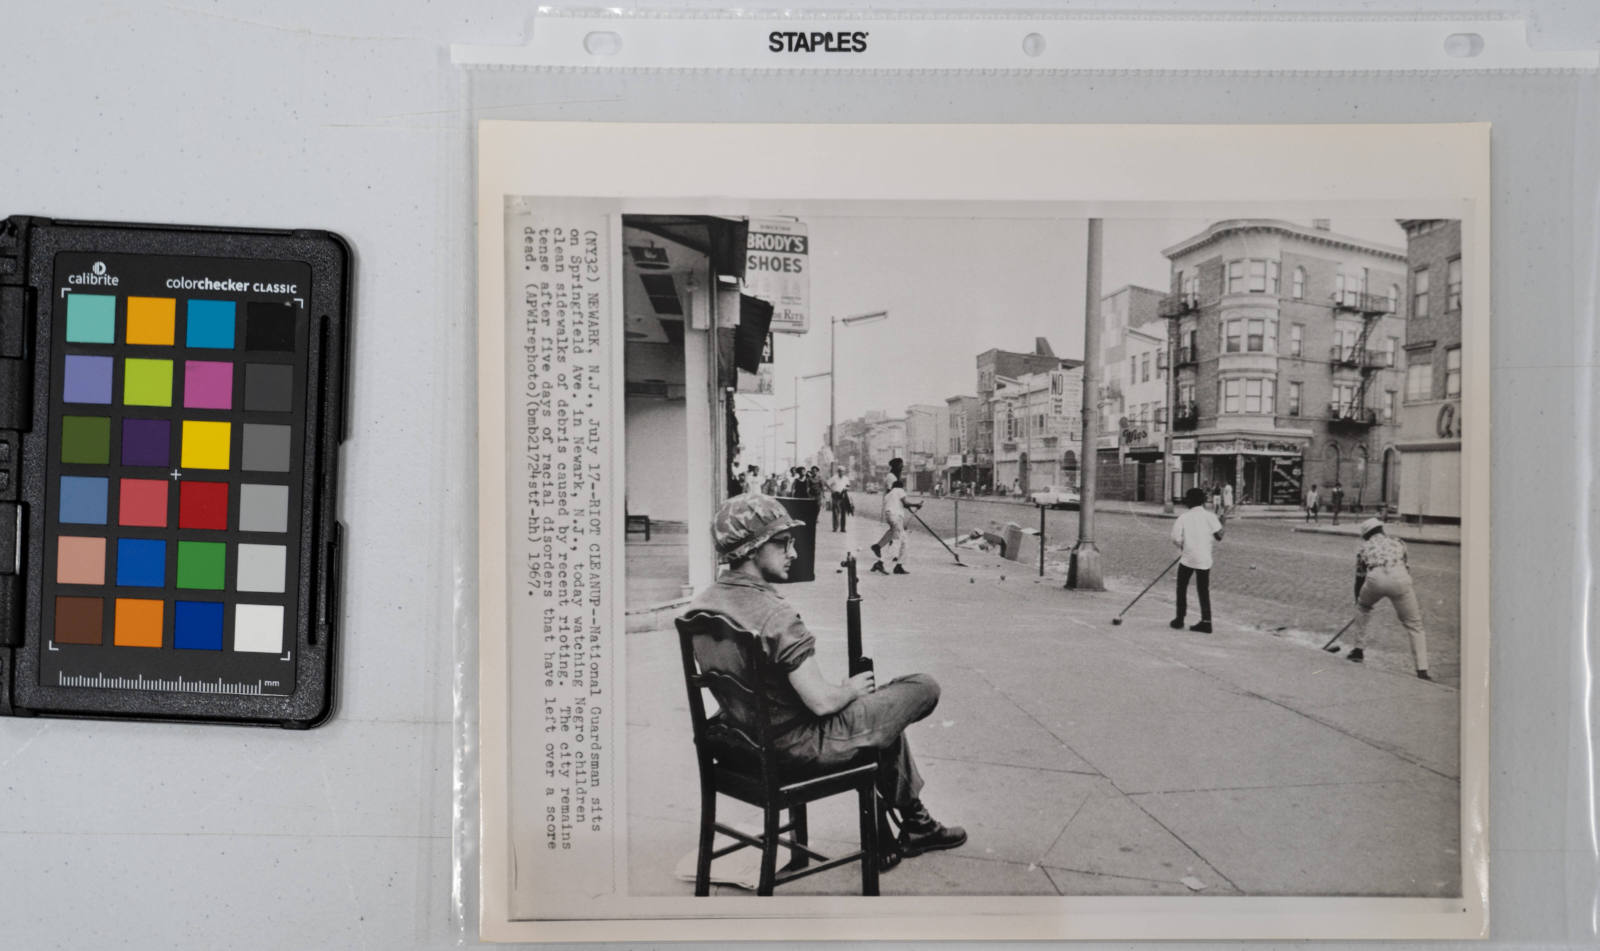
(1194, 532)
(838, 483)
(894, 505)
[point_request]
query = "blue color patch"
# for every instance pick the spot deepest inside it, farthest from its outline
(91, 318)
(210, 324)
(197, 626)
(141, 563)
(83, 500)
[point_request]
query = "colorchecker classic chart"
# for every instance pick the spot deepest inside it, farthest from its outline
(177, 470)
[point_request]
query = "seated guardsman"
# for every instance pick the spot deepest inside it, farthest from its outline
(817, 723)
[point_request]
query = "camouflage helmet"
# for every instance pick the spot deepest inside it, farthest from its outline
(745, 522)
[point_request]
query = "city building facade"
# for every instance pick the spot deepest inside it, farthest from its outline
(1429, 446)
(1288, 352)
(991, 365)
(1037, 427)
(962, 413)
(924, 458)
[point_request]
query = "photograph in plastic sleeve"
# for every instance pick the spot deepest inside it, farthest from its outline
(988, 553)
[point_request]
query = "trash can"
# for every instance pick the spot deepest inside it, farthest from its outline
(805, 537)
(1013, 540)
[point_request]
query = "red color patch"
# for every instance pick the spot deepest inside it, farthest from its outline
(203, 505)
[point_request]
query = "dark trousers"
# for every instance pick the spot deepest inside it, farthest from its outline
(1202, 584)
(839, 511)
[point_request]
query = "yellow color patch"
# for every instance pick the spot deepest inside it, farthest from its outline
(151, 320)
(205, 444)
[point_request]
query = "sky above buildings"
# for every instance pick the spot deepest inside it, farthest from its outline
(953, 288)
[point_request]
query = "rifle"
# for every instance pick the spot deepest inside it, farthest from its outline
(852, 616)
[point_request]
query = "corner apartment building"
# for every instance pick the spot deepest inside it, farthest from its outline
(1430, 413)
(1288, 343)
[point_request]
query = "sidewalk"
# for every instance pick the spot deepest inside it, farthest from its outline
(1088, 759)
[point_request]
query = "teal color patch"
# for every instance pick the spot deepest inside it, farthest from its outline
(91, 318)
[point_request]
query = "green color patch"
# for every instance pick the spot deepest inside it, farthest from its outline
(86, 440)
(147, 382)
(202, 565)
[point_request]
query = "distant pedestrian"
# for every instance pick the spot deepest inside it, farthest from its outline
(1336, 500)
(1016, 487)
(1382, 572)
(1195, 533)
(1313, 500)
(1216, 499)
(1227, 498)
(839, 490)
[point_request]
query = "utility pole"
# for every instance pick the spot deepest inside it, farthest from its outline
(1085, 572)
(1174, 325)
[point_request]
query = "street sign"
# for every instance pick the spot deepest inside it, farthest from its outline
(777, 270)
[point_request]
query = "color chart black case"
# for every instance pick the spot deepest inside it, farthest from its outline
(171, 410)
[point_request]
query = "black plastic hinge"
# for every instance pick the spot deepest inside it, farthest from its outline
(16, 371)
(11, 605)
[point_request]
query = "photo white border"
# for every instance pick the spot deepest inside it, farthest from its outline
(1439, 170)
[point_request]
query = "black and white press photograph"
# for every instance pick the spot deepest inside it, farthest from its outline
(989, 552)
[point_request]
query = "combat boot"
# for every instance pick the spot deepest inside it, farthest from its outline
(921, 832)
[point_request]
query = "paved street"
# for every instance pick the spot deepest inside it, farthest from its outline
(1088, 759)
(1268, 577)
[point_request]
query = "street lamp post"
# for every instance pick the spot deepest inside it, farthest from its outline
(833, 336)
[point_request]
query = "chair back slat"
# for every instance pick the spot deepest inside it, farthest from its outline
(727, 660)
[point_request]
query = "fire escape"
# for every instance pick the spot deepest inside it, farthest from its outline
(1184, 416)
(1371, 308)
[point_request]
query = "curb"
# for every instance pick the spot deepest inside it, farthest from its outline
(1407, 539)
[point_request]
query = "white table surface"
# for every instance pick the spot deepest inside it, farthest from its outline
(349, 117)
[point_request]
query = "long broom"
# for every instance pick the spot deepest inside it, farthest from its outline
(1118, 619)
(935, 534)
(1329, 646)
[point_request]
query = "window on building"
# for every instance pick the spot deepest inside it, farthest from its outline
(1231, 390)
(1394, 298)
(1419, 292)
(1274, 281)
(1452, 372)
(1133, 370)
(1419, 375)
(1258, 277)
(1297, 287)
(1272, 336)
(1235, 277)
(1391, 351)
(1252, 396)
(1366, 276)
(1452, 285)
(1161, 418)
(1144, 369)
(1338, 287)
(1256, 334)
(1231, 341)
(1388, 405)
(1189, 344)
(1297, 339)
(1344, 396)
(1294, 399)
(1193, 290)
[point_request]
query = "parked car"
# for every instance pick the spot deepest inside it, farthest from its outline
(1056, 496)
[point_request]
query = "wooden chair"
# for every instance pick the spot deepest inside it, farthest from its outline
(737, 764)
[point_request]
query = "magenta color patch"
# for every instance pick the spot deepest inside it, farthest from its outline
(207, 384)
